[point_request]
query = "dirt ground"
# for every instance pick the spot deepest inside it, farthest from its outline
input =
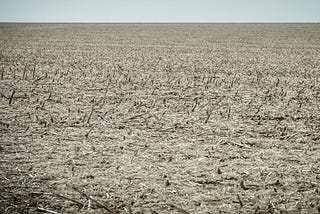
(160, 118)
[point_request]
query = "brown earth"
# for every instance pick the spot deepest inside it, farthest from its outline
(160, 118)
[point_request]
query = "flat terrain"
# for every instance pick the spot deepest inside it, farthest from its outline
(160, 118)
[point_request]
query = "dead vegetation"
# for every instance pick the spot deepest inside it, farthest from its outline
(160, 118)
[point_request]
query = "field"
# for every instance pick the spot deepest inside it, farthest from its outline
(160, 118)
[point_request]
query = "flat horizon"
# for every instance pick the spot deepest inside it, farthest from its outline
(164, 11)
(72, 22)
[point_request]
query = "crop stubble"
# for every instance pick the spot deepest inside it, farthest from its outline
(160, 118)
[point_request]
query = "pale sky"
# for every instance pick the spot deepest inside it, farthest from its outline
(159, 10)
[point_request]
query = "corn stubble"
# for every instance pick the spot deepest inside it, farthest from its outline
(163, 118)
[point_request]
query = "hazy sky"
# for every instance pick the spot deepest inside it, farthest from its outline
(160, 10)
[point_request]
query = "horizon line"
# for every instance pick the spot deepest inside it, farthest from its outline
(159, 22)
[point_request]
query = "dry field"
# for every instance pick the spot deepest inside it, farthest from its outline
(160, 118)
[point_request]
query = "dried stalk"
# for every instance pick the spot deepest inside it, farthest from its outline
(180, 210)
(11, 97)
(87, 135)
(90, 115)
(40, 209)
(92, 199)
(60, 196)
(2, 74)
(240, 201)
(209, 113)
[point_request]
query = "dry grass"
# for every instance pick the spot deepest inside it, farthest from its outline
(160, 118)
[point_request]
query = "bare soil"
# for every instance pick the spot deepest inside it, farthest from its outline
(160, 118)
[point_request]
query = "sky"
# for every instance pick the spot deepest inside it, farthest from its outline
(159, 10)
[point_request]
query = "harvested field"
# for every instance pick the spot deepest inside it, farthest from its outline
(160, 118)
